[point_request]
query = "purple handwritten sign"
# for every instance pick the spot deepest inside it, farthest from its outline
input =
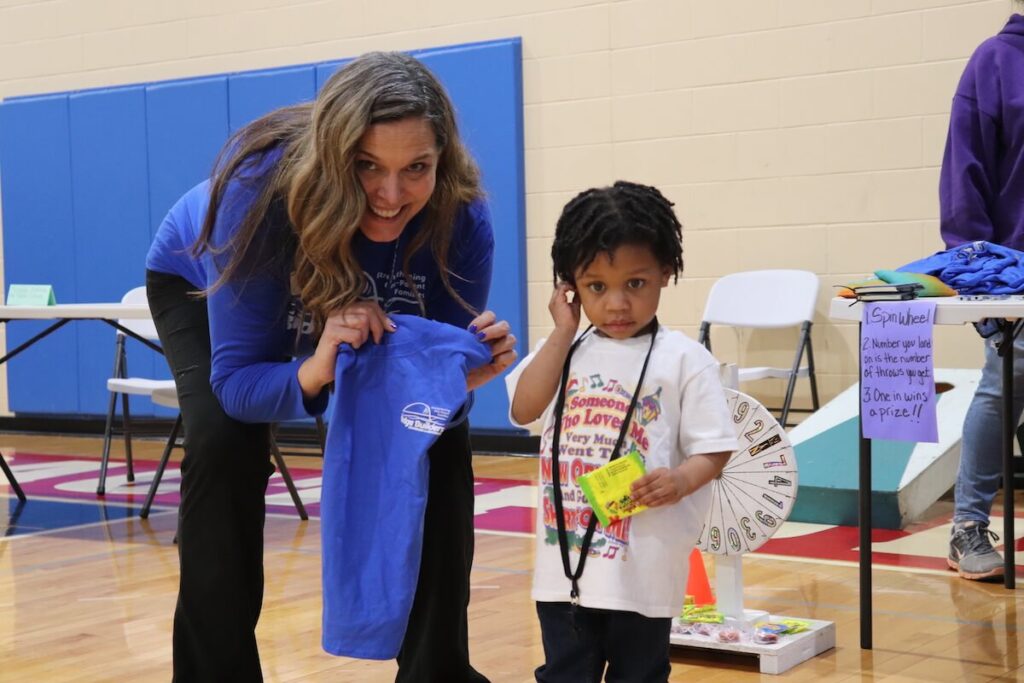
(897, 383)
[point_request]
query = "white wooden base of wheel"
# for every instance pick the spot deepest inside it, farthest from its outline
(773, 658)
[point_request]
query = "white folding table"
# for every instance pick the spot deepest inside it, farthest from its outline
(960, 310)
(61, 315)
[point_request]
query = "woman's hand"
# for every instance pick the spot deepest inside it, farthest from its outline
(353, 325)
(496, 333)
(565, 313)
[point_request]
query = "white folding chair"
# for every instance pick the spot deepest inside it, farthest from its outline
(762, 299)
(168, 398)
(120, 384)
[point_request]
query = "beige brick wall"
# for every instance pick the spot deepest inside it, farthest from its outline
(791, 133)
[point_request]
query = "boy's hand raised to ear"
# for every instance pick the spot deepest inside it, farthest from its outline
(565, 313)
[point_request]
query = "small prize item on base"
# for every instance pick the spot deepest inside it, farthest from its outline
(771, 631)
(794, 626)
(707, 614)
(727, 634)
(701, 628)
(772, 627)
(608, 488)
(734, 630)
(684, 628)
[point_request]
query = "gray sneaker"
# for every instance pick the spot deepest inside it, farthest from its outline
(971, 553)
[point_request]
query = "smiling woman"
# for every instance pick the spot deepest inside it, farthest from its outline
(319, 222)
(397, 167)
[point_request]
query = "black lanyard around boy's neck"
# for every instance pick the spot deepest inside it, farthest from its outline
(563, 539)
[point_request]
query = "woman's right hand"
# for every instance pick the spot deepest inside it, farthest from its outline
(353, 325)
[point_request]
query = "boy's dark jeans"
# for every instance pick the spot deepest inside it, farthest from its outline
(577, 649)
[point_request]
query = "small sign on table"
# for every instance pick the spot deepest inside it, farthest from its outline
(31, 295)
(897, 379)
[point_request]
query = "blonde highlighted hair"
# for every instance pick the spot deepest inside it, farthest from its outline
(315, 180)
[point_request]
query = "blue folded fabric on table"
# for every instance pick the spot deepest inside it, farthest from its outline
(975, 268)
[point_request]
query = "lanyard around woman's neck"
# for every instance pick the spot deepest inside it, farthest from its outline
(563, 540)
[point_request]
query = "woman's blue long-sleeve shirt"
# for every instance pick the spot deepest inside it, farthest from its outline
(255, 322)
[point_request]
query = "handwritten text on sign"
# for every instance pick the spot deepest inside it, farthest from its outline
(897, 380)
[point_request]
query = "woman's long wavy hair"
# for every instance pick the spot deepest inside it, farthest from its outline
(315, 180)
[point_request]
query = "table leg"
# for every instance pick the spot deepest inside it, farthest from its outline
(10, 477)
(48, 331)
(864, 499)
(11, 354)
(865, 543)
(134, 335)
(1009, 561)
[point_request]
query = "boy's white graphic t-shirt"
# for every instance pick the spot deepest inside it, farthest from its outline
(640, 563)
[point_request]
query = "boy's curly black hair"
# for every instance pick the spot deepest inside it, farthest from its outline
(602, 219)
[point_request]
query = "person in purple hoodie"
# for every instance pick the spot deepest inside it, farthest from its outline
(981, 193)
(320, 221)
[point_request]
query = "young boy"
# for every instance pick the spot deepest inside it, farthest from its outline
(626, 384)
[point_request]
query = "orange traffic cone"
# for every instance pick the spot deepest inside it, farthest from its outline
(697, 584)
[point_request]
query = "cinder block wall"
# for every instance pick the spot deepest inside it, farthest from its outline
(790, 133)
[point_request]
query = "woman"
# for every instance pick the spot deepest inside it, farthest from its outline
(981, 187)
(319, 220)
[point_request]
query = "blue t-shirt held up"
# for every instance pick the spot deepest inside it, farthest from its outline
(393, 400)
(255, 322)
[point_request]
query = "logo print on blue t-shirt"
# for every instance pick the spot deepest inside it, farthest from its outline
(419, 417)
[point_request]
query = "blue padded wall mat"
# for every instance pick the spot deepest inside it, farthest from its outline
(490, 121)
(109, 188)
(86, 178)
(195, 110)
(251, 95)
(39, 247)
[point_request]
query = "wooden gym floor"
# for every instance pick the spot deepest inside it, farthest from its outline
(92, 601)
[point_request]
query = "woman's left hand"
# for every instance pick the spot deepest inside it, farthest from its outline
(497, 334)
